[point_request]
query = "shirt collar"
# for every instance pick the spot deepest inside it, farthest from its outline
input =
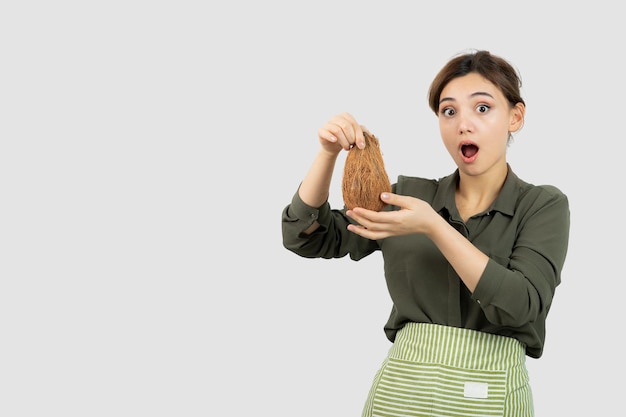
(504, 202)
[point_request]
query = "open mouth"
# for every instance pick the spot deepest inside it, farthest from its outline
(469, 150)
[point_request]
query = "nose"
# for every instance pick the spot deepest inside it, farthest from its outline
(465, 125)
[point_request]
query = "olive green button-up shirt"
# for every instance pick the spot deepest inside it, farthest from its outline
(525, 233)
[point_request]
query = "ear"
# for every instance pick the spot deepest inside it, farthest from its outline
(517, 117)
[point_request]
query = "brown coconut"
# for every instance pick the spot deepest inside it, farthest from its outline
(364, 176)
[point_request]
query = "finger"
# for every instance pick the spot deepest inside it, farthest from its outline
(361, 139)
(352, 129)
(326, 134)
(332, 132)
(355, 128)
(359, 230)
(395, 199)
(346, 129)
(367, 218)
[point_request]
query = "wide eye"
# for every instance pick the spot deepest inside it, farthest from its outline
(483, 108)
(448, 112)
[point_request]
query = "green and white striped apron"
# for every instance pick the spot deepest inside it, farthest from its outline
(434, 370)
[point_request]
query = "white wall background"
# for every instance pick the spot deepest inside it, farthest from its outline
(147, 150)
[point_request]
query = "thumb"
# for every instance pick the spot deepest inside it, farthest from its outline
(393, 199)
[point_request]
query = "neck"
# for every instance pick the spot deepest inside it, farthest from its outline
(475, 194)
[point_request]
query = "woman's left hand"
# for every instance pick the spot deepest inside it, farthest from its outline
(414, 216)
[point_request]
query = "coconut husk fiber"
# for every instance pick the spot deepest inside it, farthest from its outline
(364, 176)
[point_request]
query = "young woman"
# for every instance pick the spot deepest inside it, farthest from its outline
(472, 260)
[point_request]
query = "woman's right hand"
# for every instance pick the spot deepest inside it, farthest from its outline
(341, 132)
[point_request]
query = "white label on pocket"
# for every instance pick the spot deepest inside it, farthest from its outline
(476, 389)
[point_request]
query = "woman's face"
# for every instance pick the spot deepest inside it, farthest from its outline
(475, 120)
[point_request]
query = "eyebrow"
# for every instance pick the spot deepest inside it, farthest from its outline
(476, 94)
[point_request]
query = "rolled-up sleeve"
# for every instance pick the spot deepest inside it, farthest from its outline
(331, 239)
(518, 290)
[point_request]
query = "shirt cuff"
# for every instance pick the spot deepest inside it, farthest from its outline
(305, 213)
(488, 287)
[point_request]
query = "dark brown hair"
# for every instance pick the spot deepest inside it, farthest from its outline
(494, 68)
